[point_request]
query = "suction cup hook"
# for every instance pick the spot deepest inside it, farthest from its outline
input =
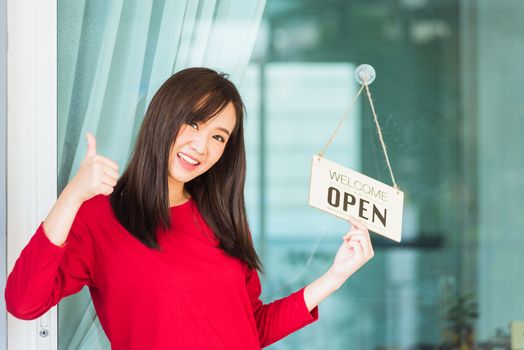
(365, 74)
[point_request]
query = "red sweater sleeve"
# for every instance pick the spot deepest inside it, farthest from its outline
(44, 273)
(280, 317)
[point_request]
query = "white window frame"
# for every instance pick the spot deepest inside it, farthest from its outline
(31, 145)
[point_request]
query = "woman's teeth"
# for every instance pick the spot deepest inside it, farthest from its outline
(187, 159)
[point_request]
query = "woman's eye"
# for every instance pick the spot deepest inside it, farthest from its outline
(193, 125)
(219, 138)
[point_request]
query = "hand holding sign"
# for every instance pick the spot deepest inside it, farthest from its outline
(355, 250)
(345, 193)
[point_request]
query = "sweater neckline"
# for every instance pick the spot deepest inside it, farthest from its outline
(181, 205)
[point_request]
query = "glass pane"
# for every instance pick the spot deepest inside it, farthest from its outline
(449, 75)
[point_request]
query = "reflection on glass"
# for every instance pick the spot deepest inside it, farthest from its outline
(450, 118)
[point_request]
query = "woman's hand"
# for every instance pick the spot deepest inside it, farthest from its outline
(96, 175)
(355, 251)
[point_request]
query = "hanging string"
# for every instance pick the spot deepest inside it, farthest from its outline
(379, 131)
(364, 85)
(380, 134)
(321, 154)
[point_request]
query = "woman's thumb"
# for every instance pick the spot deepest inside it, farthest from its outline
(91, 145)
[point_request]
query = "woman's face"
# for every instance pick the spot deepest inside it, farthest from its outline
(198, 146)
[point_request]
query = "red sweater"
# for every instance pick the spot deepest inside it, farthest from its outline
(189, 295)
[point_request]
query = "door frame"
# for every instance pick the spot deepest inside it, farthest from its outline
(31, 145)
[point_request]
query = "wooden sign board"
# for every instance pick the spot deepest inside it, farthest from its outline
(344, 192)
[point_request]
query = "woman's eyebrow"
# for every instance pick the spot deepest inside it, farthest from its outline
(224, 130)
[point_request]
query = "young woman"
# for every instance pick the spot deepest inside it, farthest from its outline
(166, 249)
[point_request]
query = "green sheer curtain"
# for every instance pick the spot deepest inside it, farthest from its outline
(112, 57)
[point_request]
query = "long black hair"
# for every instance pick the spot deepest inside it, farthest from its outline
(191, 95)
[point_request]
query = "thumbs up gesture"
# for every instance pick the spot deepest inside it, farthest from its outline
(96, 175)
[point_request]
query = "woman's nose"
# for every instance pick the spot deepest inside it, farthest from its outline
(198, 143)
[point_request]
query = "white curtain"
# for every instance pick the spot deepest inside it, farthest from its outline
(112, 57)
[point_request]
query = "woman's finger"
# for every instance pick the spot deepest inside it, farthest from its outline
(106, 161)
(365, 244)
(110, 171)
(109, 180)
(357, 248)
(353, 232)
(106, 189)
(357, 223)
(91, 145)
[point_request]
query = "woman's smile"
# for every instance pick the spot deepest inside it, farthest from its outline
(187, 161)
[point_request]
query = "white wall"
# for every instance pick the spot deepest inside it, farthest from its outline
(3, 170)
